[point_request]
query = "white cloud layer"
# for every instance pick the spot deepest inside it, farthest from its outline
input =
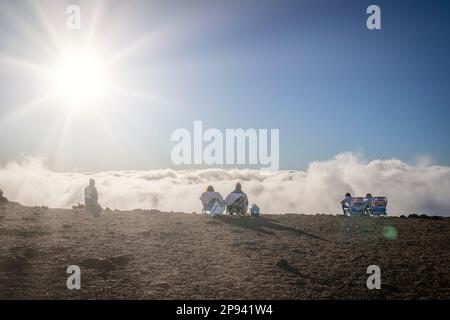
(418, 188)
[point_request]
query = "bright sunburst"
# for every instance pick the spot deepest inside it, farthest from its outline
(80, 79)
(80, 76)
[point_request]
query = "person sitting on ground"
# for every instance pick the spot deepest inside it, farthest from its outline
(346, 203)
(91, 199)
(237, 201)
(368, 203)
(209, 197)
(2, 198)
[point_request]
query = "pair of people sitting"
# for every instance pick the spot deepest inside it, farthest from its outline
(366, 204)
(236, 202)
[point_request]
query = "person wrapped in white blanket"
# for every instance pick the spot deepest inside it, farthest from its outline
(212, 201)
(237, 201)
(91, 199)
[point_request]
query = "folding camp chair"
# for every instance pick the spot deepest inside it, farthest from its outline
(238, 207)
(357, 207)
(378, 207)
(208, 206)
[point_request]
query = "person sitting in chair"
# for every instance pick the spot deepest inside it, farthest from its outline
(346, 203)
(368, 202)
(209, 197)
(237, 201)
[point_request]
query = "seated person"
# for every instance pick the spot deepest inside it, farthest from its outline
(209, 197)
(237, 201)
(91, 199)
(346, 203)
(368, 202)
(2, 198)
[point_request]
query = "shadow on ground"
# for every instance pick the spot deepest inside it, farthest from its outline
(265, 225)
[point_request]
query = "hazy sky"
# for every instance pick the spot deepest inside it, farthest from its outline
(310, 68)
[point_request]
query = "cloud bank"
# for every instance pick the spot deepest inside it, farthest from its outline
(418, 188)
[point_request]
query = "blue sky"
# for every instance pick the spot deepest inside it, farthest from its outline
(310, 68)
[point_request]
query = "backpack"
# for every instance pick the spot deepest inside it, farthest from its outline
(254, 210)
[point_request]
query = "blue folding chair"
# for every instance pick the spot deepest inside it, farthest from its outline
(357, 207)
(378, 207)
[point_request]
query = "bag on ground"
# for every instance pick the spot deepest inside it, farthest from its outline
(254, 210)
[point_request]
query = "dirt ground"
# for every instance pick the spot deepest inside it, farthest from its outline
(147, 254)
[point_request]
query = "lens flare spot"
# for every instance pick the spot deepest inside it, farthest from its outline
(390, 232)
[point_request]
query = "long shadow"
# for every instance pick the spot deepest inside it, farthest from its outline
(283, 264)
(261, 224)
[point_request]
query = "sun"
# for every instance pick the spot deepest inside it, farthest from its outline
(79, 79)
(80, 72)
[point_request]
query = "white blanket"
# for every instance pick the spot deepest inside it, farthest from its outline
(206, 197)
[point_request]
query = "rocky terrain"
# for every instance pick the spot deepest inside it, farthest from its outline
(147, 254)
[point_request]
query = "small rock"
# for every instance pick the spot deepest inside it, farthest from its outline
(282, 263)
(162, 285)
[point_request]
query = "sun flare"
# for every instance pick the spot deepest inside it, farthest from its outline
(79, 79)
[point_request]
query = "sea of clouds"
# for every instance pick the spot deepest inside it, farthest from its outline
(420, 188)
